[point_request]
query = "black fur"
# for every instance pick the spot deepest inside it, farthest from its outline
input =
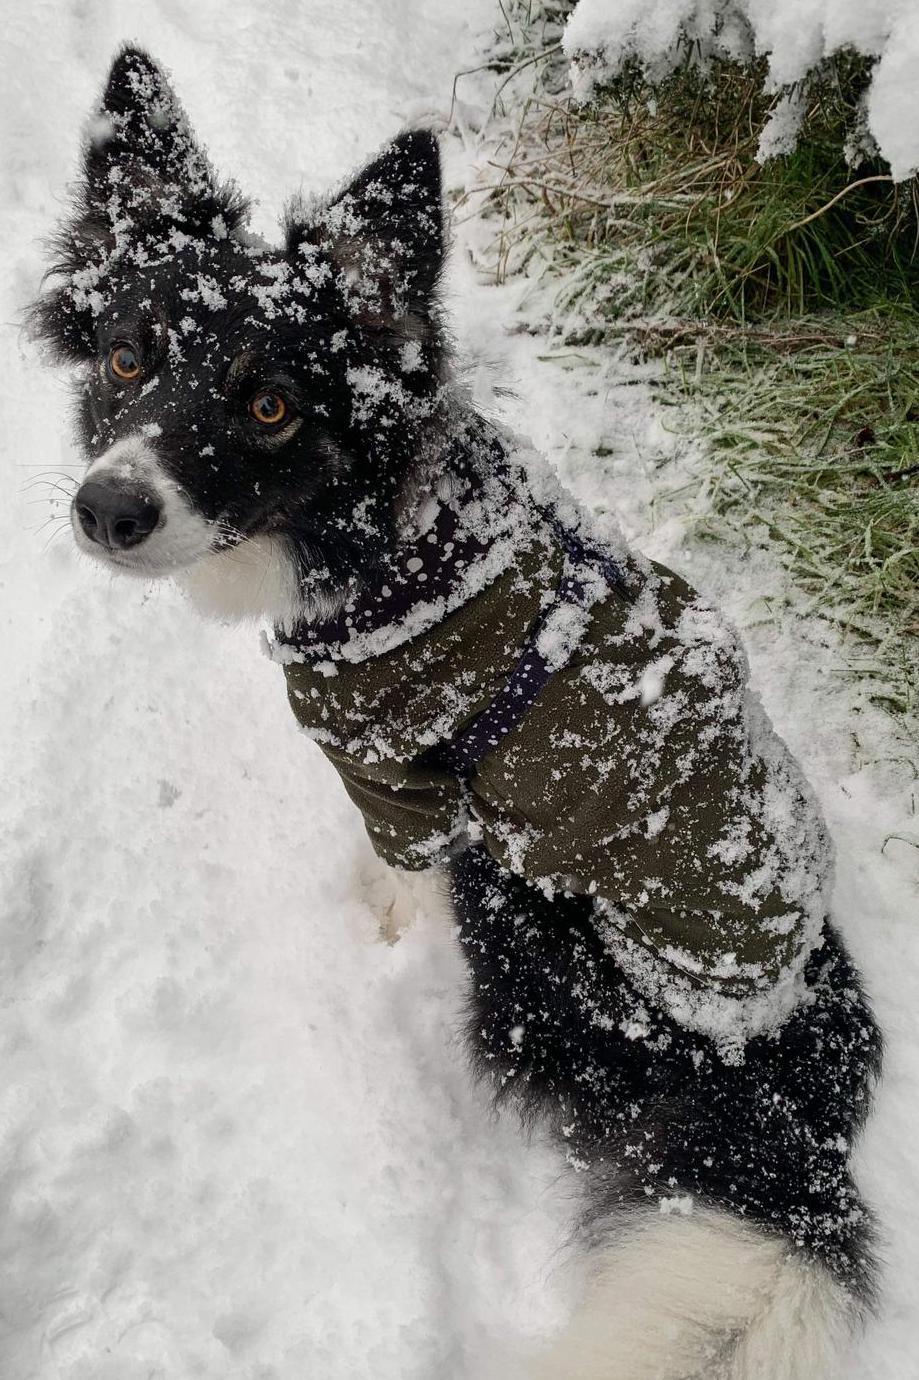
(554, 1026)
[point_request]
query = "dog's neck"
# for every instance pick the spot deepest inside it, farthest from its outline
(453, 510)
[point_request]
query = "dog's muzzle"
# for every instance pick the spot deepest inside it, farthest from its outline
(130, 513)
(116, 515)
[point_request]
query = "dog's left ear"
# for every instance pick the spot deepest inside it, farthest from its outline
(385, 233)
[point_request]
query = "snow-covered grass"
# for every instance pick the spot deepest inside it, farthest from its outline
(665, 176)
(817, 445)
(780, 294)
(798, 38)
(238, 1137)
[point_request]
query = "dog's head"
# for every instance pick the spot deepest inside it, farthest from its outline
(248, 413)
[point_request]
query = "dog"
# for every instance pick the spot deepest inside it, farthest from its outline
(637, 873)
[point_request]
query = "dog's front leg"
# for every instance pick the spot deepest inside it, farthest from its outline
(399, 898)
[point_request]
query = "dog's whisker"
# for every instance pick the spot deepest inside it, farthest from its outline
(40, 527)
(49, 477)
(52, 538)
(237, 554)
(52, 489)
(57, 529)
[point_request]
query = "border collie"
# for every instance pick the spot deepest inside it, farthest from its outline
(637, 872)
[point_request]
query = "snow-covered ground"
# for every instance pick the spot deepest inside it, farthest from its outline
(237, 1135)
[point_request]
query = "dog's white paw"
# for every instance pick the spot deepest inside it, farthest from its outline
(398, 899)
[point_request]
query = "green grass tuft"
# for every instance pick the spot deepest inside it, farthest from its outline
(819, 446)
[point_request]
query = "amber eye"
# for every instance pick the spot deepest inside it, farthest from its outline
(269, 408)
(123, 363)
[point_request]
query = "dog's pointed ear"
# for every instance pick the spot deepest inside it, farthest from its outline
(142, 158)
(140, 135)
(144, 174)
(385, 233)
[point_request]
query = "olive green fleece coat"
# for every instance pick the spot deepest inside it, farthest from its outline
(644, 775)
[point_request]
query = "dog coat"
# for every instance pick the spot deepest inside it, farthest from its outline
(644, 774)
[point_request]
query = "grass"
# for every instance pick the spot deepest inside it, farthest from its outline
(784, 295)
(819, 446)
(663, 186)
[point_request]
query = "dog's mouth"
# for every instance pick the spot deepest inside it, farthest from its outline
(138, 564)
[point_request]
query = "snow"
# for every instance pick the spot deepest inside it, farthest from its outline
(237, 1133)
(795, 35)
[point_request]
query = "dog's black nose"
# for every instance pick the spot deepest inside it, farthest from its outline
(116, 517)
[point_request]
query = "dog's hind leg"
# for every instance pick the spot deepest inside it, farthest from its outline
(762, 1265)
(701, 1296)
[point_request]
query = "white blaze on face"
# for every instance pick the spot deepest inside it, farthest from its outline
(182, 536)
(253, 579)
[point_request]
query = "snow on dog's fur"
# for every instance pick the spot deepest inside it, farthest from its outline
(255, 422)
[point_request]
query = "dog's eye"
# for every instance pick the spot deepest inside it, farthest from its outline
(268, 408)
(123, 363)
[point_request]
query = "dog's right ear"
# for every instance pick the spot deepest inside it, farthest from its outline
(141, 147)
(142, 167)
(143, 160)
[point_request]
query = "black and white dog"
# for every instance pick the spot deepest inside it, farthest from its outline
(266, 425)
